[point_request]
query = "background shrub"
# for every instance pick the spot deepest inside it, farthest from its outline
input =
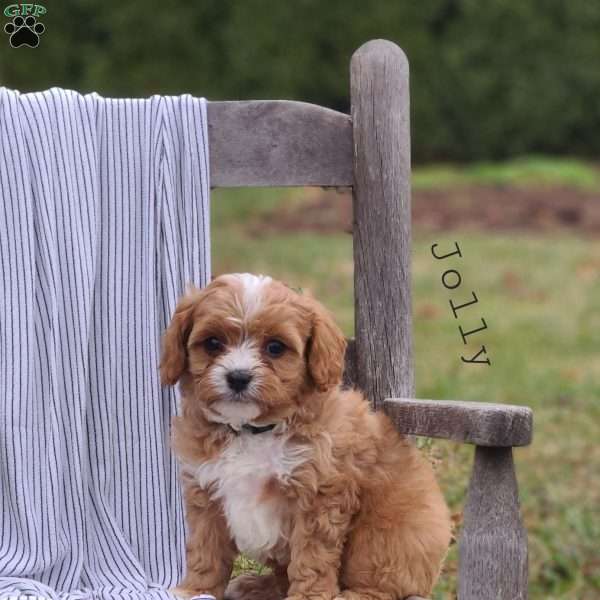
(488, 79)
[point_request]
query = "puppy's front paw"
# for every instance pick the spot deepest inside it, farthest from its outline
(253, 587)
(180, 592)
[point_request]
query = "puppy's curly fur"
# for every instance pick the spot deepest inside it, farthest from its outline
(331, 497)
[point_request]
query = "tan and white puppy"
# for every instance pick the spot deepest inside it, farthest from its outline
(282, 465)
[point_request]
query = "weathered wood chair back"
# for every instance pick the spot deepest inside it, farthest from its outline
(282, 143)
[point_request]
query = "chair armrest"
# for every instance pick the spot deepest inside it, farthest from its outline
(480, 423)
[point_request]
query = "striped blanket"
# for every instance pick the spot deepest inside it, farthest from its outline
(104, 217)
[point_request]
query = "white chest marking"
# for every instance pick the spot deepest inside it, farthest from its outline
(239, 476)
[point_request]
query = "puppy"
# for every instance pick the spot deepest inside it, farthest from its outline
(282, 465)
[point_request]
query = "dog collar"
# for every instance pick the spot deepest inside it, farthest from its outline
(254, 429)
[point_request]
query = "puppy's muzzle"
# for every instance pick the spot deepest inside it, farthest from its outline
(238, 379)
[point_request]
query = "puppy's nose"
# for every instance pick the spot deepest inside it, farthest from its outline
(239, 379)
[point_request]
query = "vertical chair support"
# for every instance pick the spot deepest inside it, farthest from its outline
(493, 545)
(379, 95)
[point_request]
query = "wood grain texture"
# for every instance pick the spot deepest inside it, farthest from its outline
(349, 378)
(278, 143)
(477, 423)
(493, 545)
(381, 233)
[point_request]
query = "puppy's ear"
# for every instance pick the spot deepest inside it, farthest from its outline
(173, 358)
(326, 350)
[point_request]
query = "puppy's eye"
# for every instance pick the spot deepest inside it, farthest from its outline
(275, 348)
(212, 345)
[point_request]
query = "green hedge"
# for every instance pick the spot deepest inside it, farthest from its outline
(489, 78)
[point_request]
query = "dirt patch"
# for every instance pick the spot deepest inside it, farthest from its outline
(487, 208)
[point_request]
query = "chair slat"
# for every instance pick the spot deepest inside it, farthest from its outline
(278, 143)
(480, 423)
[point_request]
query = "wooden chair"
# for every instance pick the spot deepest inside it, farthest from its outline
(283, 143)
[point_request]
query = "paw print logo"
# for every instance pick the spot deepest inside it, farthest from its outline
(24, 32)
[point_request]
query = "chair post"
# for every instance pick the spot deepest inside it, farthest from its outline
(379, 95)
(493, 544)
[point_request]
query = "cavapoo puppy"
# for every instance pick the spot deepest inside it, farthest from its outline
(281, 464)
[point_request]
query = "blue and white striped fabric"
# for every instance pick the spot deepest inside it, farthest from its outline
(104, 218)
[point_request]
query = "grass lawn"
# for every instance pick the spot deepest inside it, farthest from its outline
(540, 295)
